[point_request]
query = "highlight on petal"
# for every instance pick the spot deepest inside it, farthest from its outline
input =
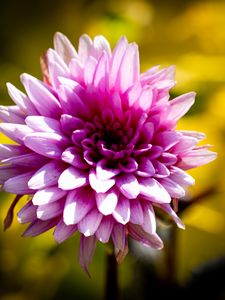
(106, 202)
(90, 223)
(122, 210)
(78, 203)
(72, 178)
(27, 213)
(48, 195)
(98, 185)
(128, 185)
(104, 230)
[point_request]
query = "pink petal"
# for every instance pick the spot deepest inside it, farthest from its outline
(149, 240)
(43, 124)
(21, 100)
(84, 47)
(106, 202)
(181, 177)
(145, 100)
(89, 224)
(32, 160)
(87, 249)
(128, 185)
(89, 70)
(7, 172)
(103, 172)
(160, 169)
(8, 150)
(50, 210)
(101, 44)
(27, 213)
(48, 195)
(72, 178)
(151, 190)
(10, 114)
(104, 230)
(168, 139)
(37, 227)
(16, 132)
(119, 236)
(78, 203)
(184, 144)
(73, 157)
(98, 185)
(64, 47)
(44, 101)
(122, 211)
(62, 231)
(174, 189)
(196, 158)
(76, 69)
(48, 144)
(136, 212)
(100, 78)
(72, 103)
(179, 106)
(145, 168)
(149, 221)
(70, 123)
(130, 67)
(117, 57)
(46, 176)
(167, 208)
(19, 184)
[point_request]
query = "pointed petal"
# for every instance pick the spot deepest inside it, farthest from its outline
(98, 185)
(84, 47)
(149, 224)
(106, 202)
(87, 249)
(32, 160)
(46, 176)
(64, 47)
(37, 227)
(119, 236)
(103, 172)
(128, 185)
(78, 203)
(89, 70)
(21, 100)
(173, 188)
(19, 184)
(72, 178)
(48, 195)
(27, 213)
(73, 157)
(195, 158)
(151, 190)
(44, 101)
(130, 67)
(179, 106)
(10, 114)
(104, 230)
(167, 208)
(50, 210)
(62, 231)
(181, 177)
(117, 57)
(43, 124)
(16, 132)
(136, 212)
(122, 211)
(48, 144)
(149, 240)
(8, 150)
(167, 139)
(89, 224)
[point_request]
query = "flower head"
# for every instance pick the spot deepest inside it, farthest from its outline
(96, 146)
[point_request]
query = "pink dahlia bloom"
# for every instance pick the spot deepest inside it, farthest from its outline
(96, 146)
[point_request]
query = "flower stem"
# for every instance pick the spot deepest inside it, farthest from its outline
(111, 287)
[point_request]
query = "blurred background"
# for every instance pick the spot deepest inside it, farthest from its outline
(188, 34)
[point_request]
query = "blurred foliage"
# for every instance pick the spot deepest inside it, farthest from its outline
(188, 34)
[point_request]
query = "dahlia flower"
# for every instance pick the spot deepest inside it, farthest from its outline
(96, 146)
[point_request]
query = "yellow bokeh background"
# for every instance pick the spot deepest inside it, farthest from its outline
(188, 34)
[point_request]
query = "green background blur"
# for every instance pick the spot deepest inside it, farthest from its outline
(188, 34)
